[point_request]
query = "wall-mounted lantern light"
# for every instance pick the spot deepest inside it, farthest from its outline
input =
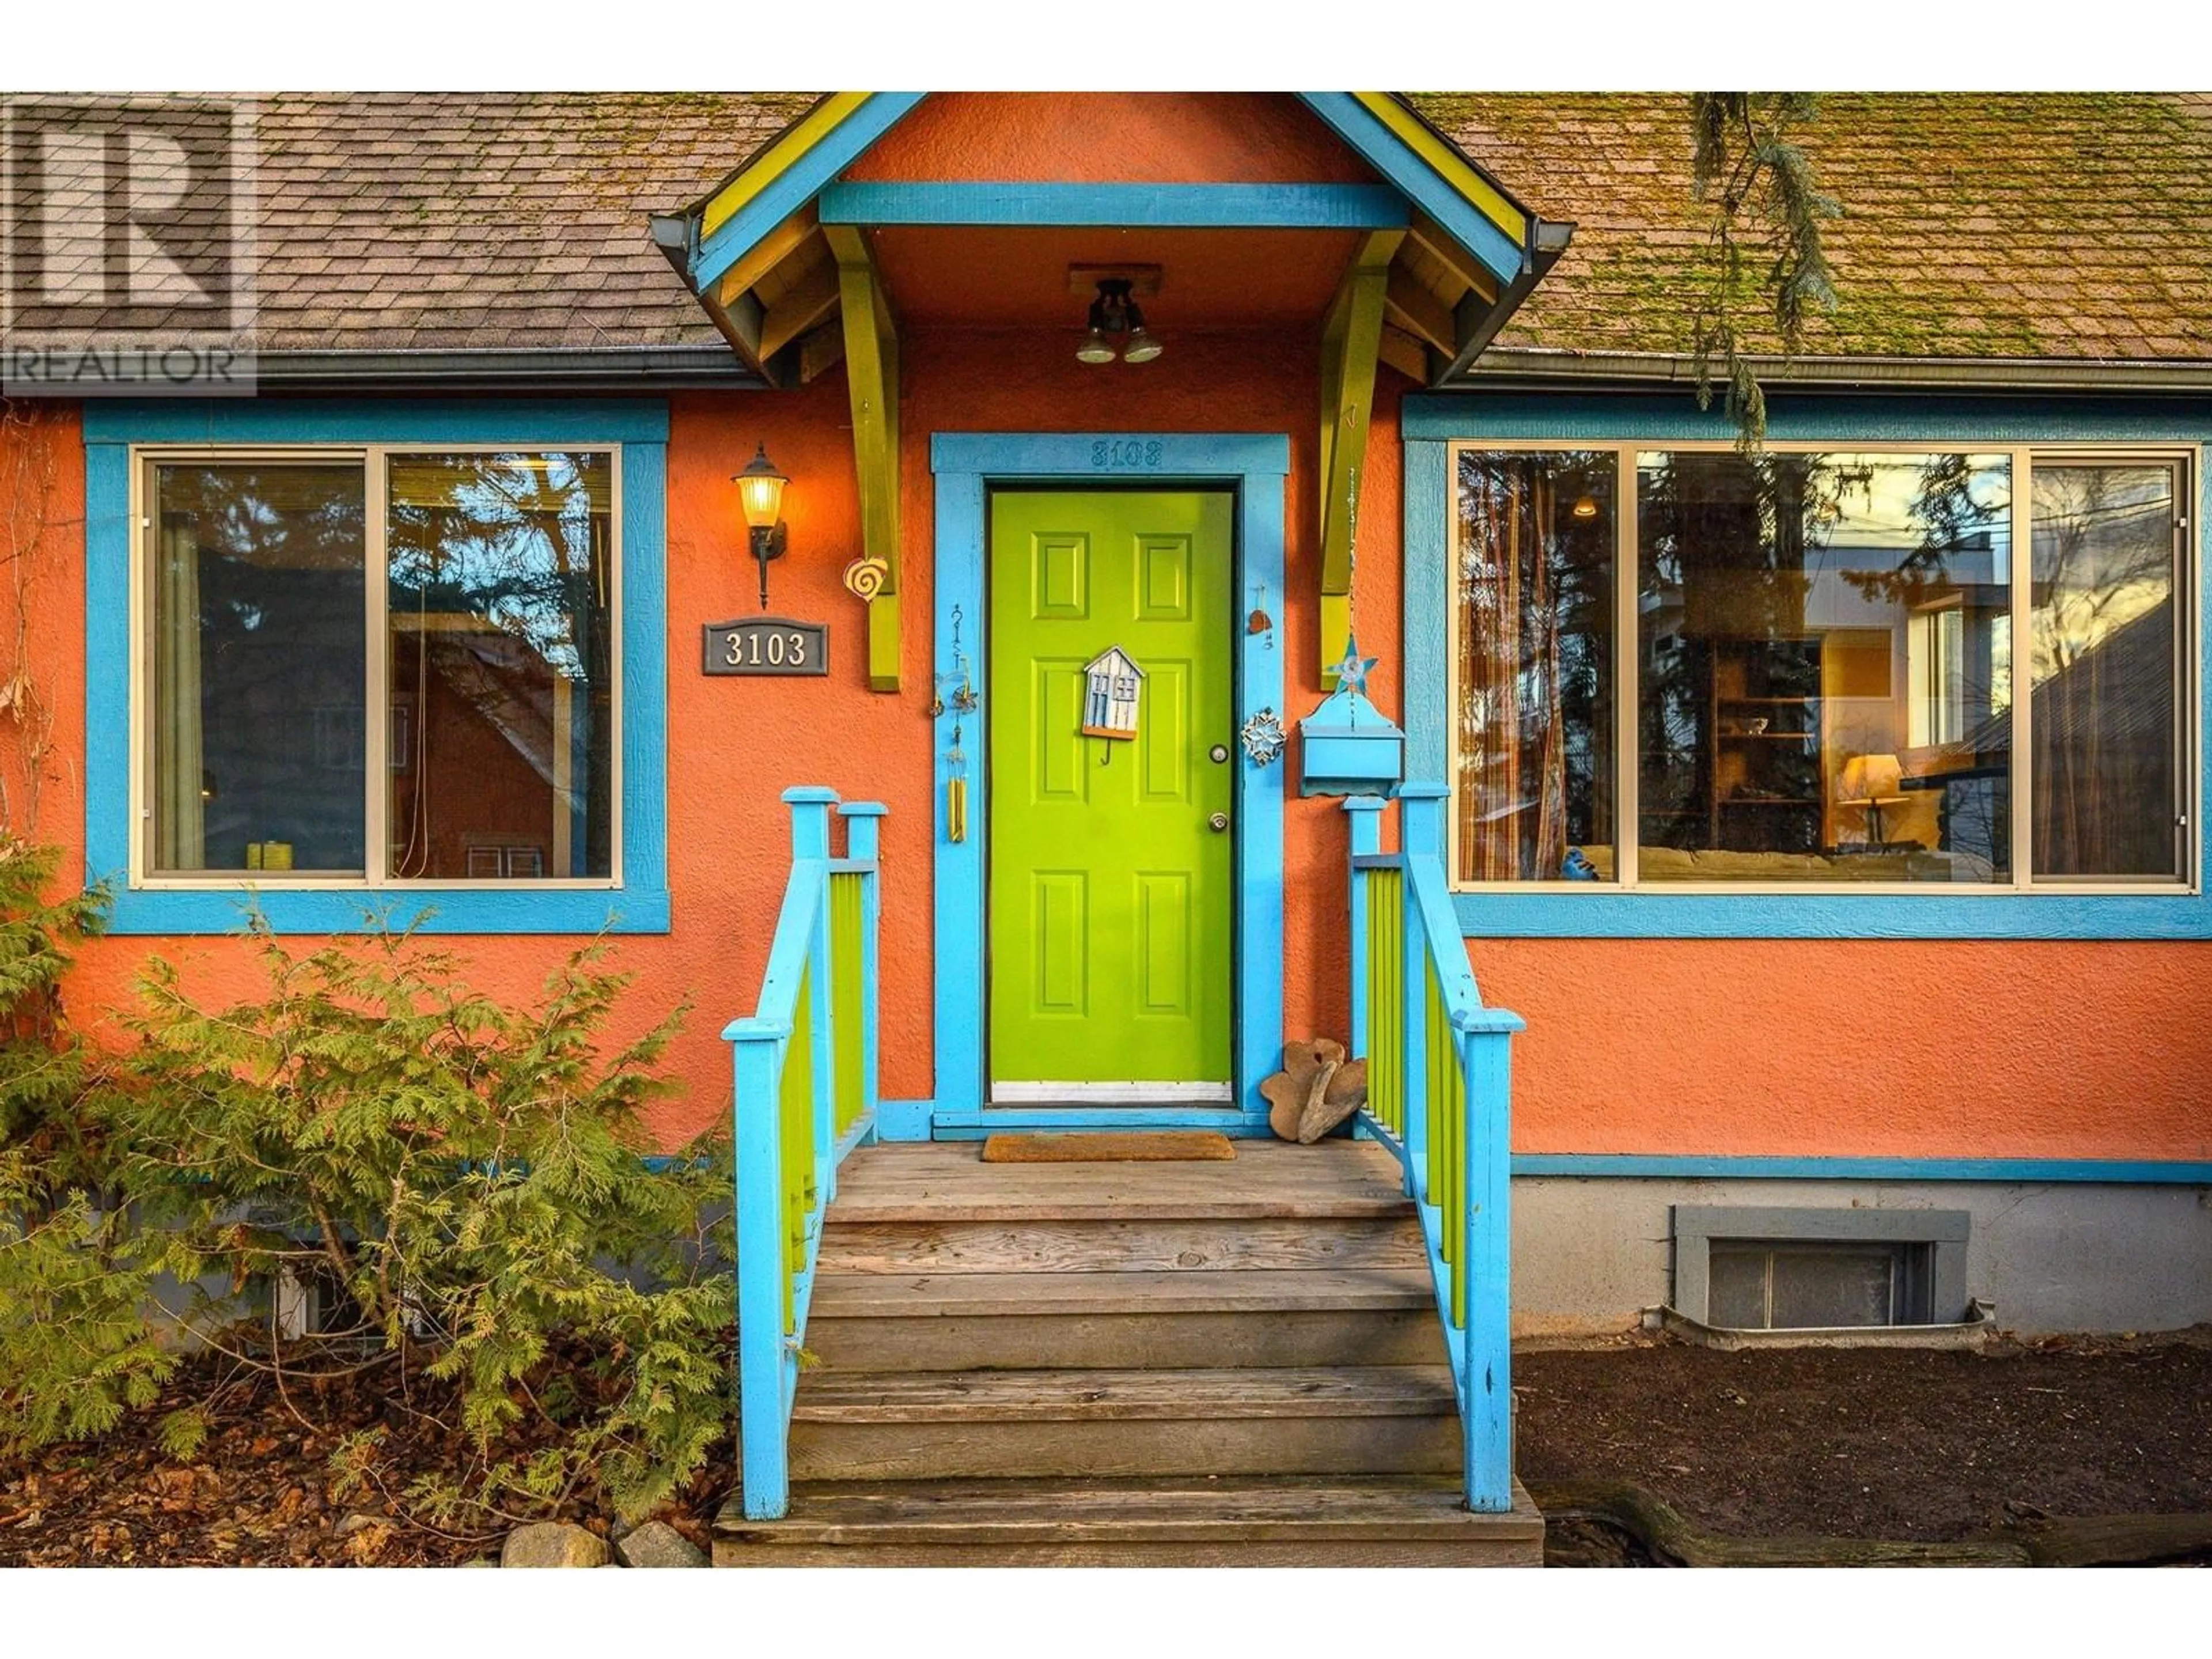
(760, 492)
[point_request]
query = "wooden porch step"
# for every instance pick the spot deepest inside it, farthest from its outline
(939, 1209)
(948, 1181)
(1390, 1420)
(1155, 1320)
(891, 1296)
(1080, 1395)
(1404, 1521)
(1195, 1243)
(1164, 1363)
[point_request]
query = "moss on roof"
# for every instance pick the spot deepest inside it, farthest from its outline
(2069, 225)
(1974, 225)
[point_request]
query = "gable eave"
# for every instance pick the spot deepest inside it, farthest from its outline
(1412, 156)
(783, 176)
(1435, 175)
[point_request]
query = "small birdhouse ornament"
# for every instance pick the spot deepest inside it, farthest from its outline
(1109, 702)
(1347, 746)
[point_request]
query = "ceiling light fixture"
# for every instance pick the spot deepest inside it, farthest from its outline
(1114, 311)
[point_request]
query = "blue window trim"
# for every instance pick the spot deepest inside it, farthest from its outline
(966, 464)
(1430, 424)
(638, 904)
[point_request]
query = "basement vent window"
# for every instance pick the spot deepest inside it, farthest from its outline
(1766, 1284)
(1756, 1268)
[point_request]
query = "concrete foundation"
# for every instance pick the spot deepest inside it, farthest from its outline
(1590, 1254)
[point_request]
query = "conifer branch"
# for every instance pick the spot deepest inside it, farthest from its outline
(1766, 204)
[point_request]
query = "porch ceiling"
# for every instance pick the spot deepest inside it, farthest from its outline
(999, 277)
(757, 252)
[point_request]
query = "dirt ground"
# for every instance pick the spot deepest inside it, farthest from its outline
(258, 1491)
(1865, 1444)
(1879, 1443)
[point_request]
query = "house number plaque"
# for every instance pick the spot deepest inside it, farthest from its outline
(766, 646)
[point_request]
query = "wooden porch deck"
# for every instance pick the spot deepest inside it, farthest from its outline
(1235, 1362)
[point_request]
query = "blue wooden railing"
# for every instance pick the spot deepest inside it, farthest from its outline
(1439, 1096)
(806, 1065)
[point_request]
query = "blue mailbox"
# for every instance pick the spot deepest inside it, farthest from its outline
(1347, 746)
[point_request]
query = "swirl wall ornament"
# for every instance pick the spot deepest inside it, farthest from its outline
(865, 576)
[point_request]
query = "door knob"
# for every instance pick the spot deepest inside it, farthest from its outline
(1218, 754)
(1217, 823)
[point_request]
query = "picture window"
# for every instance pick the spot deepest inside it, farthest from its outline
(1815, 651)
(407, 651)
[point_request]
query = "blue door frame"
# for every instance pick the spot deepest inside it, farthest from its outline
(1255, 466)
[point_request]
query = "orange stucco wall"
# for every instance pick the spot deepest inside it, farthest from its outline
(1857, 1048)
(1090, 137)
(1870, 1047)
(1759, 1047)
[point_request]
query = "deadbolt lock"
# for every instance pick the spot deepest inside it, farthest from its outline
(1218, 823)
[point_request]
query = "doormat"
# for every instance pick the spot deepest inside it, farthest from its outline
(1159, 1146)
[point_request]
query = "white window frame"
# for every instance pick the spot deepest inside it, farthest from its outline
(373, 460)
(2187, 459)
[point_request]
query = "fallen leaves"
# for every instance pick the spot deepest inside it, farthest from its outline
(258, 1491)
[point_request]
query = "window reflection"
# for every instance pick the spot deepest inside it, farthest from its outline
(2103, 663)
(1534, 567)
(501, 676)
(1824, 653)
(258, 702)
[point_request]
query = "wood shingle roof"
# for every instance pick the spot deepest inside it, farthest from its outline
(492, 220)
(1974, 225)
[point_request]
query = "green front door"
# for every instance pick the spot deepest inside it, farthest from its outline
(1111, 865)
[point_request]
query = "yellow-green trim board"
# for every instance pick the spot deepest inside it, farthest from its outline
(1450, 162)
(777, 157)
(871, 380)
(1352, 337)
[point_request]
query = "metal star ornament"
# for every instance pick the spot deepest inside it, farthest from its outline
(1351, 669)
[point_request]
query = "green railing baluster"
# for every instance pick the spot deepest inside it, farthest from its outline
(796, 1106)
(1379, 1026)
(1386, 1001)
(1365, 816)
(862, 823)
(1439, 1179)
(846, 899)
(1450, 1107)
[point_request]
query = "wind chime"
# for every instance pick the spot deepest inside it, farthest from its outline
(956, 690)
